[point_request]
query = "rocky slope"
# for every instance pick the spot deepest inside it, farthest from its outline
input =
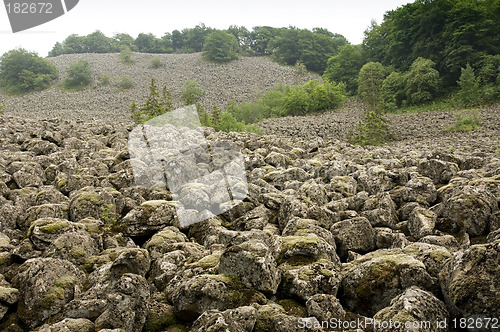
(241, 80)
(329, 232)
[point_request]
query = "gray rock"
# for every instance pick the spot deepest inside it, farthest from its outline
(370, 282)
(410, 310)
(439, 171)
(325, 307)
(421, 222)
(470, 281)
(355, 234)
(254, 264)
(69, 325)
(233, 320)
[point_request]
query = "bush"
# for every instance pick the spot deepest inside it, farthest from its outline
(23, 72)
(79, 75)
(191, 93)
(124, 82)
(126, 55)
(220, 46)
(157, 63)
(469, 93)
(422, 81)
(104, 79)
(465, 120)
(373, 130)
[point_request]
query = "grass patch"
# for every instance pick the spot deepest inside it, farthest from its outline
(466, 120)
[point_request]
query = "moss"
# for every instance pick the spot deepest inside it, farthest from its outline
(298, 242)
(440, 255)
(55, 227)
(77, 252)
(210, 261)
(5, 258)
(65, 281)
(62, 183)
(293, 308)
(461, 289)
(159, 321)
(53, 294)
(90, 196)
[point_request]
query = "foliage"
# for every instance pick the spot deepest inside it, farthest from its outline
(124, 82)
(191, 93)
(79, 75)
(289, 100)
(393, 90)
(466, 120)
(155, 104)
(126, 55)
(104, 79)
(452, 33)
(489, 78)
(422, 81)
(108, 215)
(1, 109)
(220, 46)
(224, 121)
(373, 130)
(469, 93)
(370, 81)
(156, 62)
(22, 72)
(345, 66)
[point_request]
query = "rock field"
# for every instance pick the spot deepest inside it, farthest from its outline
(330, 233)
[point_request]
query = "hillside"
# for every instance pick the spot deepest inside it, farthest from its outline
(241, 80)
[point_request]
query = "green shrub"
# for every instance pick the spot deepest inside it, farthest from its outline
(466, 120)
(224, 121)
(104, 79)
(126, 55)
(157, 63)
(220, 46)
(469, 93)
(23, 72)
(191, 93)
(1, 109)
(79, 75)
(124, 82)
(498, 152)
(373, 130)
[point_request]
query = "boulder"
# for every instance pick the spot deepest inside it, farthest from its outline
(355, 234)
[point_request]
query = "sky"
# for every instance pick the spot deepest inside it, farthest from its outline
(348, 18)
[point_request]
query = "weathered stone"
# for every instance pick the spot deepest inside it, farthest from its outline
(421, 222)
(355, 234)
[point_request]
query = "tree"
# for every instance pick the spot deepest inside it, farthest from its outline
(370, 81)
(79, 75)
(393, 90)
(469, 93)
(22, 72)
(344, 67)
(422, 81)
(220, 46)
(97, 42)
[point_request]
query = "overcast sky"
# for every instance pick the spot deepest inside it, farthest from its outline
(349, 18)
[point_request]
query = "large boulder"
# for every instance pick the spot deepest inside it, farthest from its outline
(470, 281)
(413, 310)
(355, 234)
(46, 285)
(370, 282)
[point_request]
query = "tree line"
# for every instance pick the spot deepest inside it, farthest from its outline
(286, 45)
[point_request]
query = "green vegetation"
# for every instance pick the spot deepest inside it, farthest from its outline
(286, 100)
(157, 63)
(373, 130)
(370, 81)
(155, 104)
(345, 66)
(126, 55)
(498, 152)
(124, 82)
(104, 79)
(23, 72)
(2, 109)
(466, 120)
(191, 93)
(79, 76)
(220, 46)
(469, 94)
